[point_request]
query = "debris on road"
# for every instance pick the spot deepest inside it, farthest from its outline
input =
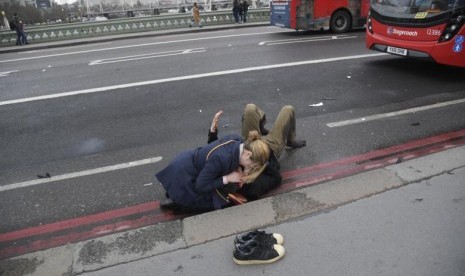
(315, 105)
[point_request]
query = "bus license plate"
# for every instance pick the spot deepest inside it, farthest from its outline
(397, 51)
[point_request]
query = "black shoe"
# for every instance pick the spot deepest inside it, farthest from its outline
(263, 130)
(260, 236)
(178, 209)
(168, 204)
(254, 252)
(296, 144)
(165, 201)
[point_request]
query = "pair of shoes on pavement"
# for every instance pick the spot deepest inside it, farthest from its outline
(258, 247)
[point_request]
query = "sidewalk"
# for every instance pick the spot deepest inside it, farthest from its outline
(72, 42)
(403, 219)
(417, 229)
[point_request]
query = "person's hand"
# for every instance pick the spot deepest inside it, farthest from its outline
(235, 177)
(215, 121)
(241, 183)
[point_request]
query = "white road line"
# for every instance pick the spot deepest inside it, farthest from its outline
(312, 40)
(80, 174)
(308, 39)
(392, 114)
(132, 46)
(7, 73)
(188, 77)
(145, 56)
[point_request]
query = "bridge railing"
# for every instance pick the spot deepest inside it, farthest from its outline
(127, 25)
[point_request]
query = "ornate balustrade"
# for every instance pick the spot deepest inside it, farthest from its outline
(127, 25)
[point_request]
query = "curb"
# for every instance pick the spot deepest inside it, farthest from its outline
(75, 42)
(165, 237)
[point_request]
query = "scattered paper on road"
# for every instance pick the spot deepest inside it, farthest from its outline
(318, 104)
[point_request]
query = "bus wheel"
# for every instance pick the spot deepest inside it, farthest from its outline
(340, 22)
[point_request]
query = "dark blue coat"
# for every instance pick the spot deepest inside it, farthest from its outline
(191, 180)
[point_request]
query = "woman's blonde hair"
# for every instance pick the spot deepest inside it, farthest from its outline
(260, 155)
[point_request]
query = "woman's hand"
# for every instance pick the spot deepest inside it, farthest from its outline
(235, 177)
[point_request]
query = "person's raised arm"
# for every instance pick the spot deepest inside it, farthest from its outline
(213, 132)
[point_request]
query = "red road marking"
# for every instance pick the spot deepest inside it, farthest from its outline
(81, 221)
(86, 235)
(347, 169)
(380, 153)
(300, 177)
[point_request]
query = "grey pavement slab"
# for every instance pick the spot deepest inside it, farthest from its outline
(417, 169)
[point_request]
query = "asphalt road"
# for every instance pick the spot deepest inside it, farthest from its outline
(130, 100)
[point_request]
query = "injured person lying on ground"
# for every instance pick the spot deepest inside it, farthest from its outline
(255, 172)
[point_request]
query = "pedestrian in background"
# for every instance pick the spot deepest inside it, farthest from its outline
(14, 25)
(18, 26)
(236, 10)
(245, 9)
(196, 13)
(23, 36)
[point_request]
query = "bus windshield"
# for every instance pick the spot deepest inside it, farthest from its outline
(409, 8)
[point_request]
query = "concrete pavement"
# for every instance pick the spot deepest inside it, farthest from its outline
(416, 229)
(403, 219)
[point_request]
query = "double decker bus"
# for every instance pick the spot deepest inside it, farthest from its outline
(431, 29)
(338, 16)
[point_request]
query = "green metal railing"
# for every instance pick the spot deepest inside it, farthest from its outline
(128, 25)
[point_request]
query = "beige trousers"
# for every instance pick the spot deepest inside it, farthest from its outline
(283, 129)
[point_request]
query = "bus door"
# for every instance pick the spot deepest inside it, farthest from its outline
(359, 10)
(280, 15)
(304, 15)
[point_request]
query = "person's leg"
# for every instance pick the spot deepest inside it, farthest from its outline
(252, 119)
(283, 132)
(18, 38)
(24, 37)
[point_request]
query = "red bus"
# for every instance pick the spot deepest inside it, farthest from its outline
(431, 29)
(338, 16)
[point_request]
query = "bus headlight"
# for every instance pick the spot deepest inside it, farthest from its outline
(369, 24)
(452, 27)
